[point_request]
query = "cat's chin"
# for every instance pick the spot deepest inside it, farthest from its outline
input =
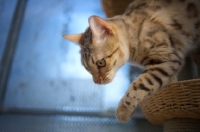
(106, 81)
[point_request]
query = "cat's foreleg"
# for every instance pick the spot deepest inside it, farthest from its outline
(152, 79)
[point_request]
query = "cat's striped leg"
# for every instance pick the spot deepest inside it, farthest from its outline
(152, 79)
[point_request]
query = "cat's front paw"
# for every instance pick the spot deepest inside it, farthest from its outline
(124, 113)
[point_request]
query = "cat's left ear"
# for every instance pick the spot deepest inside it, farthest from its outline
(100, 27)
(74, 38)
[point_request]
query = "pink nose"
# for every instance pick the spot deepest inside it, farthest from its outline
(97, 81)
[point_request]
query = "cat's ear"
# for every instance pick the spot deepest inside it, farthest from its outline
(100, 27)
(74, 38)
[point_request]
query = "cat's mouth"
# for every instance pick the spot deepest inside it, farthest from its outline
(101, 80)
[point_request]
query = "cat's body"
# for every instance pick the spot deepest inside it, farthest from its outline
(156, 34)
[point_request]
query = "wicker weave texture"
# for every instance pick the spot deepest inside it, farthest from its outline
(177, 100)
(182, 125)
(115, 7)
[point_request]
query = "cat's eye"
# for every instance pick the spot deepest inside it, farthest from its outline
(101, 63)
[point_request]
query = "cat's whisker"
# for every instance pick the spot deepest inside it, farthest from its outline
(116, 83)
(122, 77)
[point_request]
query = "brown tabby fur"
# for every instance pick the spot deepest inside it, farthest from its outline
(156, 34)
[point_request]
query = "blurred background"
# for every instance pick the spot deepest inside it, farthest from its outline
(43, 86)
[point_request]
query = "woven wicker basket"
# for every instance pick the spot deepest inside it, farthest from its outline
(115, 7)
(176, 101)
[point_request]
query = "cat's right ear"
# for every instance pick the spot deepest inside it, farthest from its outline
(74, 38)
(100, 27)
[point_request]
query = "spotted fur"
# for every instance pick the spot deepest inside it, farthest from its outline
(156, 34)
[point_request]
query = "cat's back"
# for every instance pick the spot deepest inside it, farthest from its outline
(180, 9)
(180, 18)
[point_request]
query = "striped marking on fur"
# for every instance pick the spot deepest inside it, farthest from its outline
(161, 71)
(149, 80)
(156, 78)
(127, 102)
(142, 87)
(113, 52)
(176, 25)
(192, 10)
(176, 61)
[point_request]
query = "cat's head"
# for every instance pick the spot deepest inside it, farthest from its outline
(101, 51)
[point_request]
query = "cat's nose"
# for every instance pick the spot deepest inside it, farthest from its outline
(98, 80)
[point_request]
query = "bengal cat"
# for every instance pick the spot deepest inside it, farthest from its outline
(155, 34)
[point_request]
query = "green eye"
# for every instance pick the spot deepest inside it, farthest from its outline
(101, 63)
